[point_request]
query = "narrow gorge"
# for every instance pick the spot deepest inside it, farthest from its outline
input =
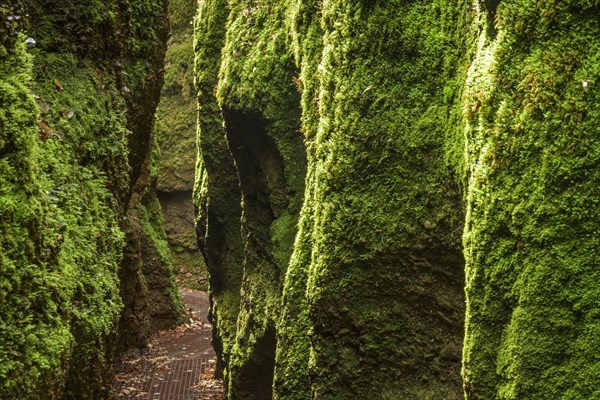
(388, 200)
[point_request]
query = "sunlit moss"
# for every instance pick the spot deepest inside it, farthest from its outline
(67, 131)
(530, 237)
(409, 112)
(216, 192)
(60, 285)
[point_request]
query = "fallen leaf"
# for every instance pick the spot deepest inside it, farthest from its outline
(45, 130)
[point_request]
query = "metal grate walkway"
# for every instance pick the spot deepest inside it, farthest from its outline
(177, 380)
(177, 364)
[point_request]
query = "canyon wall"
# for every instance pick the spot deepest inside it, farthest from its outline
(176, 138)
(531, 236)
(334, 120)
(450, 150)
(83, 268)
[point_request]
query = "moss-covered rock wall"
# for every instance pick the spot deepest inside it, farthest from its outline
(448, 146)
(176, 114)
(381, 219)
(531, 237)
(78, 253)
(148, 287)
(385, 278)
(217, 195)
(249, 128)
(291, 380)
(176, 138)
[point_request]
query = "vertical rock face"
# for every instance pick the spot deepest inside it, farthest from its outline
(531, 237)
(176, 114)
(291, 379)
(401, 105)
(148, 288)
(254, 159)
(176, 138)
(374, 287)
(77, 248)
(385, 282)
(217, 192)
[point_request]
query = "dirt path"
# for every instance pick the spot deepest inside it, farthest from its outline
(177, 365)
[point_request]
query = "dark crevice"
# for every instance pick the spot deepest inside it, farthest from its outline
(256, 375)
(261, 174)
(176, 195)
(263, 185)
(491, 7)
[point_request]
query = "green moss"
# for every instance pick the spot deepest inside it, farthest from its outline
(64, 163)
(61, 252)
(176, 133)
(386, 213)
(179, 65)
(75, 161)
(380, 191)
(283, 232)
(158, 267)
(217, 194)
(403, 105)
(153, 225)
(291, 379)
(530, 240)
(27, 350)
(144, 25)
(176, 113)
(261, 109)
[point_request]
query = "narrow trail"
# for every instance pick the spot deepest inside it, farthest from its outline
(177, 365)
